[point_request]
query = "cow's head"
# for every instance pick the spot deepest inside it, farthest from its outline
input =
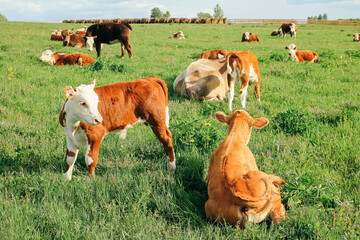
(90, 42)
(82, 104)
(291, 49)
(246, 36)
(66, 35)
(356, 37)
(48, 57)
(242, 122)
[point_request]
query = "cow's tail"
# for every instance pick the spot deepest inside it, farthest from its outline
(165, 89)
(229, 69)
(128, 25)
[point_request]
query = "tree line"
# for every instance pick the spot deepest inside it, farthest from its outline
(218, 13)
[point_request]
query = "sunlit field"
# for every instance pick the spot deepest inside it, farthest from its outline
(312, 140)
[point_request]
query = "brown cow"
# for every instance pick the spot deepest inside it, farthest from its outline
(73, 40)
(249, 37)
(91, 112)
(238, 191)
(66, 59)
(301, 56)
(213, 54)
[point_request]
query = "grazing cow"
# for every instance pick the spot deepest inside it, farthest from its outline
(301, 56)
(249, 37)
(204, 79)
(91, 112)
(73, 40)
(238, 191)
(288, 28)
(356, 37)
(213, 54)
(276, 33)
(179, 35)
(109, 33)
(242, 65)
(63, 59)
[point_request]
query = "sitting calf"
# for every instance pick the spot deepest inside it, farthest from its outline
(249, 37)
(238, 191)
(301, 56)
(356, 37)
(55, 58)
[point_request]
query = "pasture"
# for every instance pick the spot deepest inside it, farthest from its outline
(312, 140)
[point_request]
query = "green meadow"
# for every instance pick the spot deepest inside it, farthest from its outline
(312, 140)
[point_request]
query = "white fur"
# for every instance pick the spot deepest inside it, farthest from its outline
(122, 133)
(243, 95)
(356, 37)
(90, 43)
(247, 36)
(171, 166)
(167, 116)
(88, 159)
(48, 57)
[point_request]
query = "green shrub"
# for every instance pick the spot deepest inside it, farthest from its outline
(294, 121)
(276, 56)
(353, 53)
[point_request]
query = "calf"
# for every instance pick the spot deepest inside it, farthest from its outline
(301, 56)
(81, 30)
(238, 191)
(179, 35)
(288, 28)
(62, 59)
(276, 33)
(249, 37)
(91, 112)
(57, 37)
(74, 40)
(213, 54)
(109, 33)
(356, 37)
(245, 67)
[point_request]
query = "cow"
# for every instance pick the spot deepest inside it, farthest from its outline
(288, 28)
(242, 65)
(276, 33)
(249, 37)
(301, 56)
(56, 37)
(179, 35)
(213, 54)
(238, 192)
(204, 79)
(81, 30)
(90, 112)
(73, 39)
(55, 58)
(109, 33)
(356, 37)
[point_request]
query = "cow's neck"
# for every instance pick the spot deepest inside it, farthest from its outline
(55, 58)
(70, 121)
(240, 131)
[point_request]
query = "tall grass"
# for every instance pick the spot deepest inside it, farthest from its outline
(312, 140)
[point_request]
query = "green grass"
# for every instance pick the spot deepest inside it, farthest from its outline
(312, 141)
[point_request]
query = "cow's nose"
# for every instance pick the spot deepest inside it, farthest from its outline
(98, 120)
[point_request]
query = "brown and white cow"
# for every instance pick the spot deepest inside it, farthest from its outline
(179, 35)
(81, 30)
(356, 37)
(238, 191)
(249, 37)
(55, 58)
(91, 112)
(73, 40)
(109, 33)
(213, 54)
(204, 79)
(288, 28)
(243, 66)
(301, 56)
(276, 33)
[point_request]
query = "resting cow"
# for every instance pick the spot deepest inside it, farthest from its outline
(91, 112)
(63, 59)
(204, 79)
(288, 28)
(356, 37)
(179, 35)
(213, 54)
(108, 33)
(276, 33)
(238, 191)
(73, 39)
(249, 37)
(243, 66)
(301, 56)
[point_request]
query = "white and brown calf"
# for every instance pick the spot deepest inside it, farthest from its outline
(301, 56)
(243, 66)
(356, 37)
(91, 112)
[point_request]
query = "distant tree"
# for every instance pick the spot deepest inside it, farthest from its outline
(204, 15)
(157, 13)
(218, 12)
(320, 17)
(2, 17)
(325, 16)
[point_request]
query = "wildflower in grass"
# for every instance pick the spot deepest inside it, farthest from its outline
(192, 140)
(293, 89)
(208, 124)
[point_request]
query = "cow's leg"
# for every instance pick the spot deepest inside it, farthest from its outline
(122, 50)
(231, 82)
(98, 49)
(165, 137)
(71, 155)
(243, 90)
(92, 153)
(257, 90)
(125, 44)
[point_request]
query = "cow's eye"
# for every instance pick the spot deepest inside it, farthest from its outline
(83, 104)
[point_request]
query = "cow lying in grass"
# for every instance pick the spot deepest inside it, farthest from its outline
(238, 191)
(249, 37)
(91, 112)
(356, 37)
(301, 56)
(66, 59)
(204, 79)
(243, 66)
(179, 35)
(213, 54)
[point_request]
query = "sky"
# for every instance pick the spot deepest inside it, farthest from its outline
(52, 10)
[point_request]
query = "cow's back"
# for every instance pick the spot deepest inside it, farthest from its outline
(107, 32)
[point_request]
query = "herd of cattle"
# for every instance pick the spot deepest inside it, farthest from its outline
(238, 191)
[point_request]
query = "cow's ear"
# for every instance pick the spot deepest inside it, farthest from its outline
(220, 56)
(221, 117)
(286, 47)
(69, 92)
(92, 83)
(259, 122)
(95, 37)
(295, 47)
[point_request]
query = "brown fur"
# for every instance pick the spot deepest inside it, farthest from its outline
(213, 54)
(74, 40)
(73, 58)
(307, 56)
(237, 189)
(56, 37)
(122, 104)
